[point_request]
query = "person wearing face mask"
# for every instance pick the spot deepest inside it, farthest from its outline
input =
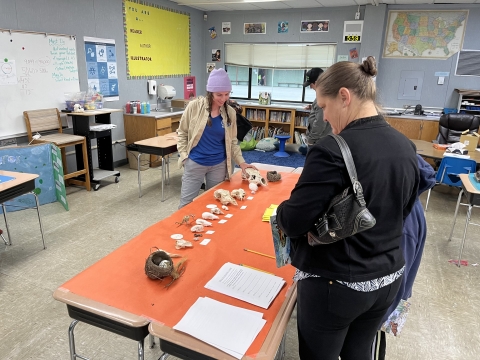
(345, 288)
(207, 139)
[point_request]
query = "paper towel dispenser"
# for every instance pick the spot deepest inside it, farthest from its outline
(166, 92)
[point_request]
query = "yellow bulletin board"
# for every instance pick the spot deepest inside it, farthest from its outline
(157, 40)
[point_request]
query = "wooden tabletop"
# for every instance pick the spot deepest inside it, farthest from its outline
(426, 149)
(20, 178)
(467, 184)
(94, 112)
(160, 141)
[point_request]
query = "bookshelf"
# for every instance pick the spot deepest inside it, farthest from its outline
(468, 101)
(268, 120)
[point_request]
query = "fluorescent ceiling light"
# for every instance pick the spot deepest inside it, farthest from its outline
(229, 2)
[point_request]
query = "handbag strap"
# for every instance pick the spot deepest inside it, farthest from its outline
(352, 171)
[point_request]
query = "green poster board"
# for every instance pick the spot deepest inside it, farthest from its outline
(60, 191)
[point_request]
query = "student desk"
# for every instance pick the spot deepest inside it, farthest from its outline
(81, 126)
(472, 194)
(116, 295)
(159, 145)
(426, 149)
(22, 183)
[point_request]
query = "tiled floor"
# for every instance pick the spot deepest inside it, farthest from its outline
(443, 322)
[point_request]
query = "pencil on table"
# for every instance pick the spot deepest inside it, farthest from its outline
(259, 253)
(251, 267)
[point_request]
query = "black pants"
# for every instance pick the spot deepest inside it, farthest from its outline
(334, 320)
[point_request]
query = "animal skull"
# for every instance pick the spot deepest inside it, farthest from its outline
(253, 176)
(239, 194)
(224, 197)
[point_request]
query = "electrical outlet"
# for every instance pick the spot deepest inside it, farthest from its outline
(357, 15)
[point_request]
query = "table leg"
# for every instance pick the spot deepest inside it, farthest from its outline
(469, 213)
(168, 169)
(141, 351)
(4, 208)
(71, 341)
(456, 212)
(139, 177)
(39, 219)
(163, 176)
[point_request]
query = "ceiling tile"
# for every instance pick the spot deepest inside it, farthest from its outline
(411, 2)
(213, 7)
(273, 5)
(454, 1)
(241, 6)
(334, 3)
(304, 4)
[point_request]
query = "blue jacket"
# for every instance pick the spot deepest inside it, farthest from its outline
(414, 235)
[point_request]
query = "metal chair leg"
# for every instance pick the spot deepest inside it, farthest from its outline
(164, 356)
(469, 213)
(39, 219)
(71, 341)
(3, 237)
(455, 216)
(428, 198)
(4, 208)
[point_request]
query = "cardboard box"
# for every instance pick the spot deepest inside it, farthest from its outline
(181, 103)
(470, 141)
(144, 160)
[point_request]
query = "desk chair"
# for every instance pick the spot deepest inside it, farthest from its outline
(448, 172)
(451, 126)
(49, 119)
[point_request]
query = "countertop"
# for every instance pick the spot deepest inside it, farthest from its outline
(286, 106)
(414, 117)
(157, 114)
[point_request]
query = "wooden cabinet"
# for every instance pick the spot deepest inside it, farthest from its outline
(415, 129)
(141, 127)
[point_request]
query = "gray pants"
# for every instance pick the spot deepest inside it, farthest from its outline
(194, 175)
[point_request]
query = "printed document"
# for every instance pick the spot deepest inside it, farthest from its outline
(229, 328)
(253, 286)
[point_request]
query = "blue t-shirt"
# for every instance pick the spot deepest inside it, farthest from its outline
(210, 150)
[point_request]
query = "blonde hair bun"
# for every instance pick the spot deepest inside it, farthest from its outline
(370, 66)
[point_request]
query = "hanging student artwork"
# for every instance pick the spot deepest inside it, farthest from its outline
(101, 59)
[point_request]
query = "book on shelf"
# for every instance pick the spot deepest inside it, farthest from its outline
(303, 136)
(297, 138)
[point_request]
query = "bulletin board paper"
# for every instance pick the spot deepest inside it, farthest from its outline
(101, 59)
(157, 41)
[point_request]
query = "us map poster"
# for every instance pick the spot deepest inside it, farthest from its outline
(101, 59)
(157, 40)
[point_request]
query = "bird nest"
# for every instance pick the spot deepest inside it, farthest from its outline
(159, 265)
(273, 176)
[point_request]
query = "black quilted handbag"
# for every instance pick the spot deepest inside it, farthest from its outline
(347, 213)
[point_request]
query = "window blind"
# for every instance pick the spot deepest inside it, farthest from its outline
(280, 56)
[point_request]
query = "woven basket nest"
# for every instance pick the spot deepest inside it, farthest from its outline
(154, 271)
(273, 176)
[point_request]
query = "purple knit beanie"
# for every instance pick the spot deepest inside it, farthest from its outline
(218, 81)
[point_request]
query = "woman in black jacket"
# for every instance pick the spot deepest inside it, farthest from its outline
(345, 288)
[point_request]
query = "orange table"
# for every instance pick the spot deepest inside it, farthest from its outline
(117, 289)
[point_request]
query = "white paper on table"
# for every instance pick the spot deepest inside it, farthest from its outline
(243, 283)
(230, 328)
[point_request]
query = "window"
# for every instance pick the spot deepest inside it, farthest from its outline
(276, 68)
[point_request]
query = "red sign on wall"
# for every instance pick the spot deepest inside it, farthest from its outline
(189, 87)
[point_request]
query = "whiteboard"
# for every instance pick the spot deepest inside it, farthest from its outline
(36, 69)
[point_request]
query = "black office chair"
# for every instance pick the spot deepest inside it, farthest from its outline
(451, 127)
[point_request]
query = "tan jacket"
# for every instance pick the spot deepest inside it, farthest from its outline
(192, 124)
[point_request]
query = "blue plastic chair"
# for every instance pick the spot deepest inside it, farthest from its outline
(448, 172)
